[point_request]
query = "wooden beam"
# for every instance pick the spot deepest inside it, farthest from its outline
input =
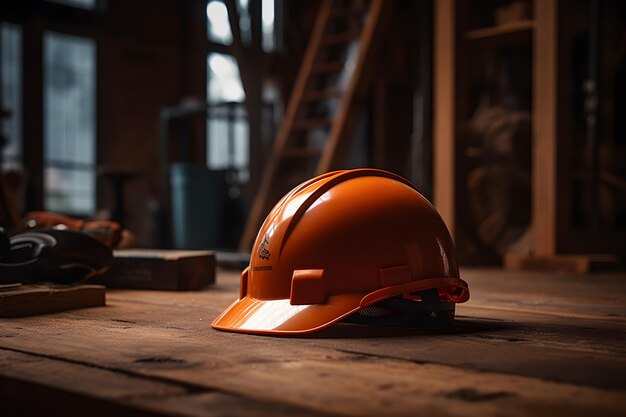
(240, 53)
(544, 124)
(252, 65)
(32, 109)
(444, 124)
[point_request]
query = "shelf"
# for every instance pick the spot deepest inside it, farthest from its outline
(500, 30)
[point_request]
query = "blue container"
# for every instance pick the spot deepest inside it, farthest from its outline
(198, 201)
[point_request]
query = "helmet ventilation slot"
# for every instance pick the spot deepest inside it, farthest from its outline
(407, 312)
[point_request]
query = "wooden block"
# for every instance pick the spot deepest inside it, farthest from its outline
(160, 269)
(33, 299)
(572, 264)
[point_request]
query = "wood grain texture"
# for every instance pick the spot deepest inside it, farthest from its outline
(68, 389)
(544, 128)
(444, 111)
(33, 299)
(160, 269)
(526, 344)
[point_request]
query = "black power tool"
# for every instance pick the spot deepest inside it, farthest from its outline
(53, 255)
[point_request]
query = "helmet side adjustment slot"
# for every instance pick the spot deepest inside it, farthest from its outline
(307, 287)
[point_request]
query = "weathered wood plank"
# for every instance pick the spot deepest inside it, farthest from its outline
(502, 357)
(220, 405)
(491, 346)
(343, 383)
(31, 385)
(600, 294)
(33, 299)
(64, 388)
(365, 385)
(588, 350)
(152, 342)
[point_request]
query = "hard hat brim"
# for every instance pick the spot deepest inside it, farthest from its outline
(280, 317)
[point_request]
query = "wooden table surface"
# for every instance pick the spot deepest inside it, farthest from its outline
(526, 344)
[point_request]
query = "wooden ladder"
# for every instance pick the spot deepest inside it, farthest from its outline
(325, 103)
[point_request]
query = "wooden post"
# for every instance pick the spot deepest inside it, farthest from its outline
(545, 254)
(33, 129)
(545, 133)
(444, 124)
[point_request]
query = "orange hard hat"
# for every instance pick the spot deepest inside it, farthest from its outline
(360, 245)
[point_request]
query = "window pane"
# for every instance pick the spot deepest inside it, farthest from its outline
(69, 190)
(69, 123)
(11, 72)
(243, 7)
(241, 144)
(267, 17)
(218, 25)
(223, 79)
(228, 139)
(227, 126)
(217, 148)
(81, 4)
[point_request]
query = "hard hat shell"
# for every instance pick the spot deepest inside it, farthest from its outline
(336, 244)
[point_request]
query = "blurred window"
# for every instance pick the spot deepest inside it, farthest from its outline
(268, 12)
(69, 123)
(243, 8)
(228, 133)
(227, 124)
(81, 4)
(218, 26)
(223, 79)
(11, 74)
